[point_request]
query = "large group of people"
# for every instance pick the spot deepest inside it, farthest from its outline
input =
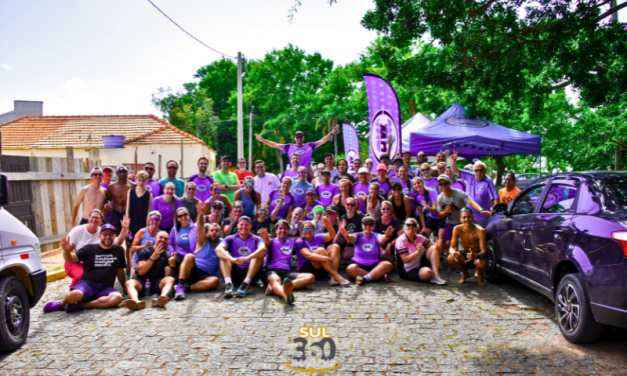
(286, 232)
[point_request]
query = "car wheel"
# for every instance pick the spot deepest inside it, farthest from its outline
(573, 312)
(491, 272)
(15, 313)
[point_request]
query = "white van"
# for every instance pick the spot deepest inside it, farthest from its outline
(22, 279)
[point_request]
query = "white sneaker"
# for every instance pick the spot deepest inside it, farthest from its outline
(437, 280)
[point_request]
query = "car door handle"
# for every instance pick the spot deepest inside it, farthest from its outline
(521, 228)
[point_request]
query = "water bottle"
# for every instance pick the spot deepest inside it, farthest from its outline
(148, 286)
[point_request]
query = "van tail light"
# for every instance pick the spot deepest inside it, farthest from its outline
(621, 236)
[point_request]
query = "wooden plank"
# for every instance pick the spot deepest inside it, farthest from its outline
(69, 152)
(40, 176)
(59, 197)
(51, 239)
(36, 203)
(66, 192)
(78, 184)
(45, 207)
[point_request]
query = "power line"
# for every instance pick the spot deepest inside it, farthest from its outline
(185, 31)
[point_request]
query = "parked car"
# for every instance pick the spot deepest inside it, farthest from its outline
(566, 236)
(523, 180)
(22, 279)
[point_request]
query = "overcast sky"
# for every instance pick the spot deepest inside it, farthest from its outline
(108, 57)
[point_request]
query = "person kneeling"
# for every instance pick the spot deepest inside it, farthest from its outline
(366, 264)
(473, 240)
(151, 276)
(102, 263)
(417, 256)
(277, 268)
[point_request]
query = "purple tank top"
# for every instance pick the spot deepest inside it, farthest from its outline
(326, 193)
(275, 198)
(433, 197)
(367, 251)
(280, 254)
(167, 212)
(312, 245)
(238, 247)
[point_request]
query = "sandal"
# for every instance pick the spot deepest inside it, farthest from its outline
(332, 282)
(346, 283)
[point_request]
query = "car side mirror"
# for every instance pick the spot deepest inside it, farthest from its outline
(4, 190)
(500, 209)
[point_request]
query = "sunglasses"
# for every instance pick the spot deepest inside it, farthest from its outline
(397, 189)
(350, 205)
(425, 169)
(217, 189)
(302, 173)
(238, 207)
(398, 164)
(149, 169)
(183, 215)
(331, 213)
(308, 230)
(479, 170)
(153, 220)
(386, 209)
(97, 175)
(173, 168)
(411, 225)
(191, 189)
(367, 224)
(443, 184)
(264, 211)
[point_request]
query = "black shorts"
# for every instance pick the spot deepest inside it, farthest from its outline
(238, 275)
(434, 224)
(367, 268)
(469, 264)
(197, 275)
(309, 268)
(116, 217)
(414, 274)
(154, 286)
(282, 273)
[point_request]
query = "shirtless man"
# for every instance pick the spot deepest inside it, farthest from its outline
(474, 254)
(118, 193)
(92, 197)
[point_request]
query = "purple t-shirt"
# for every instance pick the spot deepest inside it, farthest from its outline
(481, 192)
(433, 183)
(279, 255)
(433, 197)
(290, 174)
(203, 186)
(384, 188)
(153, 186)
(367, 251)
(459, 184)
(326, 193)
(238, 247)
(361, 190)
(304, 152)
(298, 191)
(103, 185)
(275, 198)
(310, 214)
(167, 211)
(407, 186)
(312, 245)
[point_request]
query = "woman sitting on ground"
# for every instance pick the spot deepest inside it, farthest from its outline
(417, 257)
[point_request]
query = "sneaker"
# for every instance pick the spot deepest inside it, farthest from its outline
(228, 291)
(134, 305)
(288, 290)
(269, 290)
(386, 278)
(162, 301)
(437, 280)
(69, 308)
(179, 293)
(360, 280)
(52, 307)
(241, 291)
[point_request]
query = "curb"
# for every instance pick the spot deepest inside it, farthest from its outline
(53, 276)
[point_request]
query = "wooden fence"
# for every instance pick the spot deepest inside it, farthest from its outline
(54, 184)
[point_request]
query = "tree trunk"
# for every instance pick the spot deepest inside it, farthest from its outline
(618, 163)
(412, 107)
(279, 159)
(500, 168)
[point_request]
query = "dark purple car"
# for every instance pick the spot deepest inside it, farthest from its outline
(565, 236)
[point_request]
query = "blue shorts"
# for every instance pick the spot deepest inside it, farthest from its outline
(92, 290)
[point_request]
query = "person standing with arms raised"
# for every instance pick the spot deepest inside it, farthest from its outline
(202, 180)
(304, 150)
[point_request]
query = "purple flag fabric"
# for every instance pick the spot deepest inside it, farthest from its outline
(385, 118)
(351, 145)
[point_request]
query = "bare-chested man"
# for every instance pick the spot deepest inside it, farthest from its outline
(474, 254)
(118, 193)
(92, 197)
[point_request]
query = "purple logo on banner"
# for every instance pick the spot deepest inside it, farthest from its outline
(385, 118)
(351, 145)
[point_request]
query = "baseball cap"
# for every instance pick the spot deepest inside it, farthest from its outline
(217, 204)
(332, 208)
(398, 159)
(244, 218)
(318, 209)
(108, 168)
(385, 156)
(225, 157)
(298, 133)
(407, 152)
(444, 177)
(326, 172)
(367, 219)
(107, 226)
(329, 155)
(363, 170)
(121, 168)
(310, 190)
(397, 185)
(381, 167)
(95, 169)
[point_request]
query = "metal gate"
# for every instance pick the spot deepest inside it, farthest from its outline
(20, 192)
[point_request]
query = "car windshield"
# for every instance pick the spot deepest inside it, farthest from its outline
(614, 193)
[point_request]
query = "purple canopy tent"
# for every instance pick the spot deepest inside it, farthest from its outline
(472, 138)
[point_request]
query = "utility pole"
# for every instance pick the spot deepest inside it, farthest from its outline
(250, 140)
(240, 109)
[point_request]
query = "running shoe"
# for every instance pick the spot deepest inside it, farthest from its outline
(133, 304)
(69, 308)
(269, 290)
(360, 280)
(53, 307)
(288, 290)
(228, 292)
(179, 293)
(159, 301)
(241, 291)
(437, 280)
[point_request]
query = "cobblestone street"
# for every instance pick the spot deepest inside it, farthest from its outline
(379, 329)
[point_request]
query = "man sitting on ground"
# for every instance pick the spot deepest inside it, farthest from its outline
(152, 268)
(241, 258)
(473, 240)
(277, 268)
(103, 262)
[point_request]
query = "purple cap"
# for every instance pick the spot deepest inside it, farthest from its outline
(107, 226)
(310, 190)
(244, 218)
